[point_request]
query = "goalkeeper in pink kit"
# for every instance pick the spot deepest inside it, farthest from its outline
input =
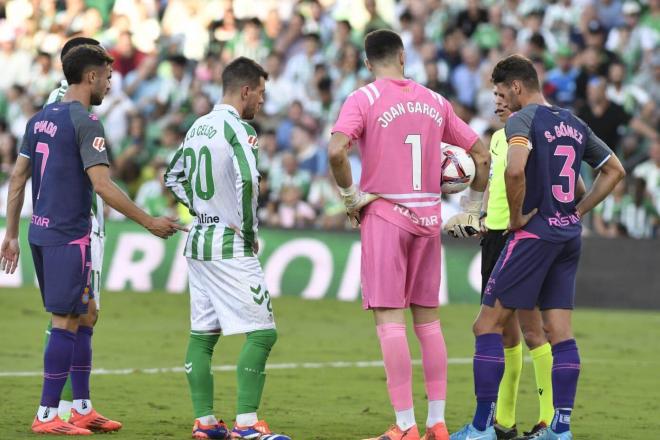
(399, 126)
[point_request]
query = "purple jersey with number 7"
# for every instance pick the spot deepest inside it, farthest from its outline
(558, 143)
(62, 141)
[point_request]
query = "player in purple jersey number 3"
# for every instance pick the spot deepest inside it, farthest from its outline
(539, 262)
(64, 153)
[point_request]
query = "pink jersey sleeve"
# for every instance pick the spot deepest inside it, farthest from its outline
(458, 132)
(351, 119)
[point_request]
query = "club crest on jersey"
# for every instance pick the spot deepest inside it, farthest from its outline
(93, 117)
(253, 141)
(99, 144)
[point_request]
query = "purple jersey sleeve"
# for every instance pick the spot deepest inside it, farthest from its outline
(90, 137)
(25, 148)
(520, 123)
(457, 132)
(350, 120)
(596, 151)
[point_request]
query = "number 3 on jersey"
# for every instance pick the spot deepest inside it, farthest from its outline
(194, 173)
(566, 171)
(415, 141)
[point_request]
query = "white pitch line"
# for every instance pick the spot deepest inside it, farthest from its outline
(283, 366)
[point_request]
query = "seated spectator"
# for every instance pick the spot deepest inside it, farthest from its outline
(292, 211)
(154, 197)
(563, 78)
(638, 215)
(650, 172)
(607, 215)
(310, 157)
(325, 199)
(288, 174)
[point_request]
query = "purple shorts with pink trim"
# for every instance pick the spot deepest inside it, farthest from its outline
(532, 271)
(63, 275)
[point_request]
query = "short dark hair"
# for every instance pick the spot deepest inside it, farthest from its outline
(516, 67)
(240, 72)
(75, 42)
(81, 58)
(382, 44)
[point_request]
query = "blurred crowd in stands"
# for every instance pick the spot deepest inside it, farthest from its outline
(600, 58)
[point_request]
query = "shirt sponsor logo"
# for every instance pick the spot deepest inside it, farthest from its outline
(431, 220)
(562, 221)
(207, 219)
(99, 144)
(38, 220)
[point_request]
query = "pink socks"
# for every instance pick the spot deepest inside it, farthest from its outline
(434, 359)
(398, 366)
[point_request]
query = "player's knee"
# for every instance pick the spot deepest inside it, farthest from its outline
(556, 333)
(90, 318)
(482, 327)
(534, 337)
(263, 338)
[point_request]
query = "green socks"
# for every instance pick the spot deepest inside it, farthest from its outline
(542, 359)
(198, 371)
(67, 391)
(251, 369)
(508, 392)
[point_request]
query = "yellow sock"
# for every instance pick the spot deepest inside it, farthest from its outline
(508, 392)
(542, 359)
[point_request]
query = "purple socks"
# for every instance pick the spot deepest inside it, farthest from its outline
(81, 367)
(57, 361)
(488, 367)
(565, 373)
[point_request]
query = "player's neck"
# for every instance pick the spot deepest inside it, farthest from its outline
(234, 101)
(534, 98)
(77, 93)
(389, 73)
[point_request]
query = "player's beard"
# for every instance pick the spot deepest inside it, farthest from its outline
(96, 98)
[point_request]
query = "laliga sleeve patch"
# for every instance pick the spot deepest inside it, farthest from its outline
(99, 144)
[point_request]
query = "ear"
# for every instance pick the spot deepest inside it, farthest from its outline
(368, 65)
(91, 75)
(245, 90)
(402, 57)
(516, 86)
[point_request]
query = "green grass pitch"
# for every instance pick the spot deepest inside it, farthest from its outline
(618, 397)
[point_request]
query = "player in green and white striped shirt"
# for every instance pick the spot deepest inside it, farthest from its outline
(214, 173)
(96, 243)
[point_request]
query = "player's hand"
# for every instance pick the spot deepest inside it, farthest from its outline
(463, 225)
(520, 221)
(354, 200)
(9, 255)
(165, 227)
(467, 223)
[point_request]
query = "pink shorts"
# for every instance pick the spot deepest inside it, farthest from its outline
(398, 268)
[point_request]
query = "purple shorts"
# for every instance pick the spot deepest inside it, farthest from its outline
(63, 275)
(532, 272)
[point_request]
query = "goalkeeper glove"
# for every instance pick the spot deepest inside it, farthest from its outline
(466, 224)
(354, 200)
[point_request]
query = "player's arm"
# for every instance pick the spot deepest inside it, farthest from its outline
(514, 180)
(177, 182)
(610, 171)
(481, 157)
(90, 137)
(349, 126)
(10, 249)
(162, 227)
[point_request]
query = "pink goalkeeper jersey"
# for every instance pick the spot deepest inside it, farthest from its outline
(400, 126)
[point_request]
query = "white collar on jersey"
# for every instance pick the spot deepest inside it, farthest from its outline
(229, 108)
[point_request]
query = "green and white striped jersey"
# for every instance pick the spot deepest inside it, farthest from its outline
(98, 221)
(214, 173)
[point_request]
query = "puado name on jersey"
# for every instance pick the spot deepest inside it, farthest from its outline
(409, 107)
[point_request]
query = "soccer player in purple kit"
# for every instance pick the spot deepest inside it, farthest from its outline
(538, 266)
(63, 151)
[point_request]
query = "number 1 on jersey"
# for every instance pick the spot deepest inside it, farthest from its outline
(415, 141)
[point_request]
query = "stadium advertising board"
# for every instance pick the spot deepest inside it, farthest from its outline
(311, 264)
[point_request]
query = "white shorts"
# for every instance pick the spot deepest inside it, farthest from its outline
(96, 243)
(229, 295)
